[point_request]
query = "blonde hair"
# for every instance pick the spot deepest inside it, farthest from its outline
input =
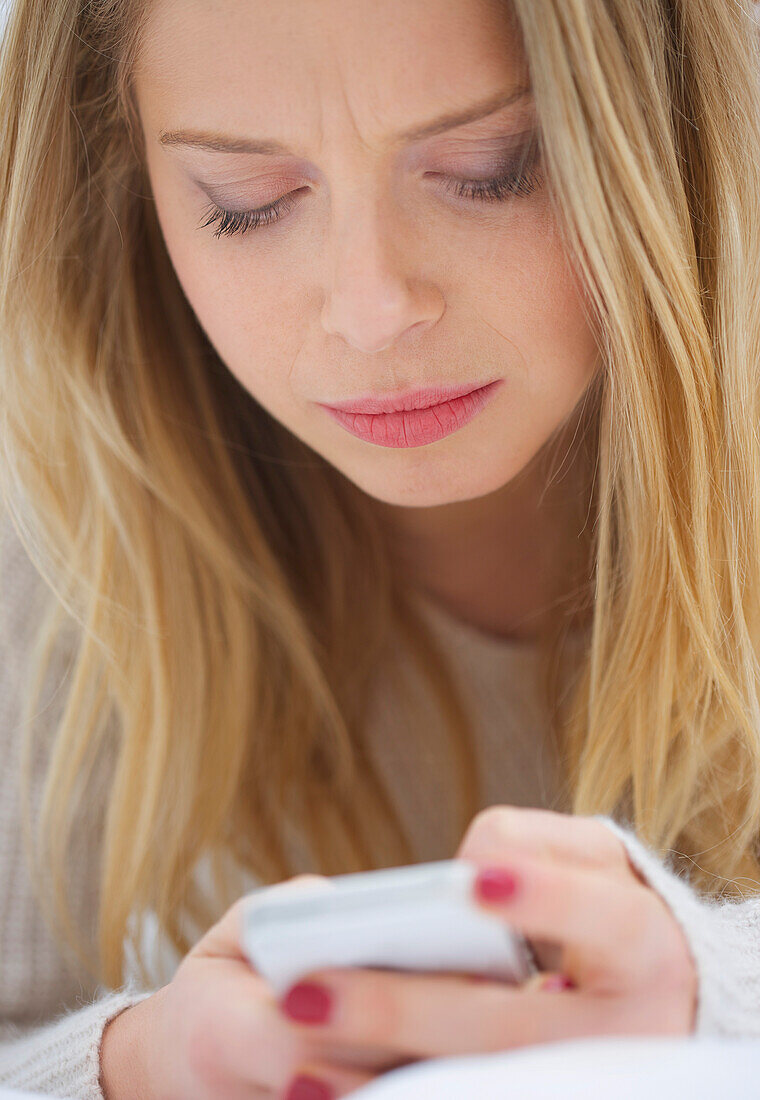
(211, 561)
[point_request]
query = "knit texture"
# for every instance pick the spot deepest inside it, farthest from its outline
(52, 1016)
(724, 937)
(62, 1058)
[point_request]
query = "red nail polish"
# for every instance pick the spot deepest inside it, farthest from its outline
(555, 983)
(495, 884)
(308, 1003)
(308, 1088)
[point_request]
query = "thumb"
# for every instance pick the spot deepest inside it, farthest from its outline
(223, 939)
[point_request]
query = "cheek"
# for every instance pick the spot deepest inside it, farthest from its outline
(530, 295)
(240, 305)
(230, 286)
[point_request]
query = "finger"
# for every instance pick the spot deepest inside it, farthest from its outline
(424, 1016)
(223, 939)
(524, 1019)
(340, 1080)
(551, 1016)
(249, 1040)
(497, 831)
(611, 926)
(547, 982)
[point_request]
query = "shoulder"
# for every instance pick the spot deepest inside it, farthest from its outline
(25, 597)
(22, 588)
(38, 975)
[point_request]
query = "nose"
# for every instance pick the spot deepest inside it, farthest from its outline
(374, 296)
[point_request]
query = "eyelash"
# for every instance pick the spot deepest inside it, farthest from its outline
(496, 189)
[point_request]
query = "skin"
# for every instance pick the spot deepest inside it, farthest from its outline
(217, 1030)
(376, 280)
(378, 277)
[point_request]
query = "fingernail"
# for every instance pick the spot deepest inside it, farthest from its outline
(555, 983)
(308, 1003)
(308, 1088)
(495, 884)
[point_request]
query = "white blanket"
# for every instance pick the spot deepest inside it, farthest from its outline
(658, 1068)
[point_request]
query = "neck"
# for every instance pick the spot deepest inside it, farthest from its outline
(503, 562)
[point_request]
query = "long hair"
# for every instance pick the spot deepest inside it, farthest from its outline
(211, 563)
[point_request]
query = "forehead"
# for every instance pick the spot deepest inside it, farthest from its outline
(296, 67)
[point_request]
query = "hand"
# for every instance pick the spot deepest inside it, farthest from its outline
(588, 914)
(575, 896)
(215, 1033)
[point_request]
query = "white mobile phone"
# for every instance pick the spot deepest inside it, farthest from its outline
(419, 917)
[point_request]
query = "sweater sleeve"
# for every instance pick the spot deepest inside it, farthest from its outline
(724, 938)
(62, 1057)
(52, 1015)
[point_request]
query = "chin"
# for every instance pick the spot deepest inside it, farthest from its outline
(429, 488)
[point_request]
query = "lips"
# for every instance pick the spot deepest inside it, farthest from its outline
(416, 427)
(424, 398)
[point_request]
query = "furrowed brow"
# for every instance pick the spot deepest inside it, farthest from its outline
(225, 143)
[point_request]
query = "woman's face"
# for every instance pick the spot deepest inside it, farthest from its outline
(373, 275)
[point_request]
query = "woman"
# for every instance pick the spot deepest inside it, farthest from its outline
(285, 637)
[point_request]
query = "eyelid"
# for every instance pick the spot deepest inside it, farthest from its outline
(501, 144)
(280, 186)
(512, 154)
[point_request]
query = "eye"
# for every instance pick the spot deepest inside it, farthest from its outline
(239, 221)
(510, 183)
(498, 188)
(520, 176)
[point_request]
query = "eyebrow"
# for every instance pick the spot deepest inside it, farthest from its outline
(222, 143)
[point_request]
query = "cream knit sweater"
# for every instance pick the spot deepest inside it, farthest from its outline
(51, 1018)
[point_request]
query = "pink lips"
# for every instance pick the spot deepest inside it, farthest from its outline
(422, 417)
